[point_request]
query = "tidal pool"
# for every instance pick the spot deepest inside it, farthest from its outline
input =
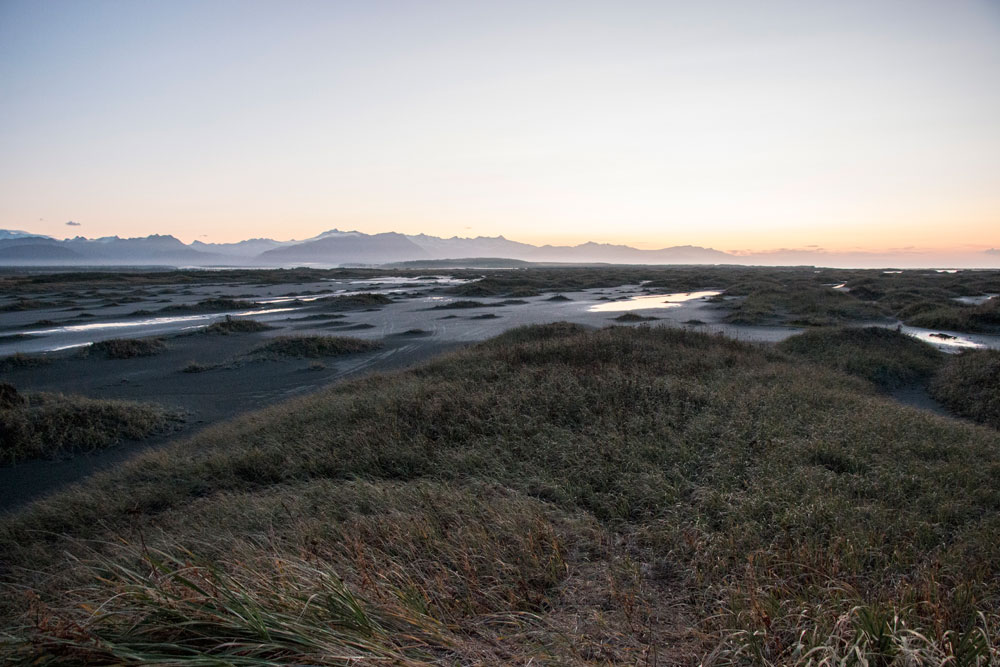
(946, 342)
(651, 301)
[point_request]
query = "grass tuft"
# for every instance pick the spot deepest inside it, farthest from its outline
(44, 425)
(633, 317)
(128, 348)
(461, 303)
(885, 357)
(19, 361)
(969, 385)
(313, 346)
(236, 325)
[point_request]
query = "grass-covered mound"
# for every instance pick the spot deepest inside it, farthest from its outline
(362, 301)
(236, 325)
(460, 304)
(552, 495)
(633, 317)
(888, 358)
(45, 425)
(969, 384)
(799, 302)
(18, 361)
(212, 305)
(127, 348)
(955, 317)
(313, 346)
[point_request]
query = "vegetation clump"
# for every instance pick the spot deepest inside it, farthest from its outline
(955, 317)
(44, 425)
(798, 302)
(883, 356)
(460, 304)
(19, 360)
(27, 304)
(633, 317)
(313, 346)
(128, 348)
(361, 301)
(198, 367)
(212, 305)
(969, 385)
(236, 325)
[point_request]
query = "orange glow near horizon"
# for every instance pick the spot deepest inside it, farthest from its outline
(835, 126)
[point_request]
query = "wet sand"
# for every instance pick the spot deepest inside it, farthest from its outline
(416, 326)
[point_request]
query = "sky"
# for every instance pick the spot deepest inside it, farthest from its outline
(742, 126)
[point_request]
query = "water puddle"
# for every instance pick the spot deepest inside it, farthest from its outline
(304, 299)
(946, 342)
(651, 301)
(975, 300)
(401, 280)
(148, 322)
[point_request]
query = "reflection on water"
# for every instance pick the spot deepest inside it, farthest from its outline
(949, 342)
(651, 301)
(975, 300)
(391, 280)
(148, 322)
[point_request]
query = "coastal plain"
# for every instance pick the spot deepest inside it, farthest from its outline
(557, 464)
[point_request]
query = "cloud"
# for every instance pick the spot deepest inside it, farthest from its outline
(992, 251)
(73, 224)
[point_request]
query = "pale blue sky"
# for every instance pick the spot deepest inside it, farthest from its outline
(730, 124)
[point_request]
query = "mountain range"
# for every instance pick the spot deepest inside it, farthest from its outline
(352, 248)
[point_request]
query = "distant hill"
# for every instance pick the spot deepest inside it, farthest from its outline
(154, 249)
(17, 234)
(621, 254)
(480, 246)
(340, 248)
(36, 250)
(463, 263)
(348, 247)
(248, 248)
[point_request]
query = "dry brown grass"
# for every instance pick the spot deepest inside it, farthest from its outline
(46, 425)
(553, 495)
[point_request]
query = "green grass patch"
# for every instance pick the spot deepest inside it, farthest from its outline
(212, 305)
(969, 385)
(955, 317)
(361, 301)
(19, 361)
(28, 304)
(460, 304)
(313, 346)
(45, 425)
(236, 325)
(128, 348)
(633, 317)
(198, 367)
(888, 358)
(798, 302)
